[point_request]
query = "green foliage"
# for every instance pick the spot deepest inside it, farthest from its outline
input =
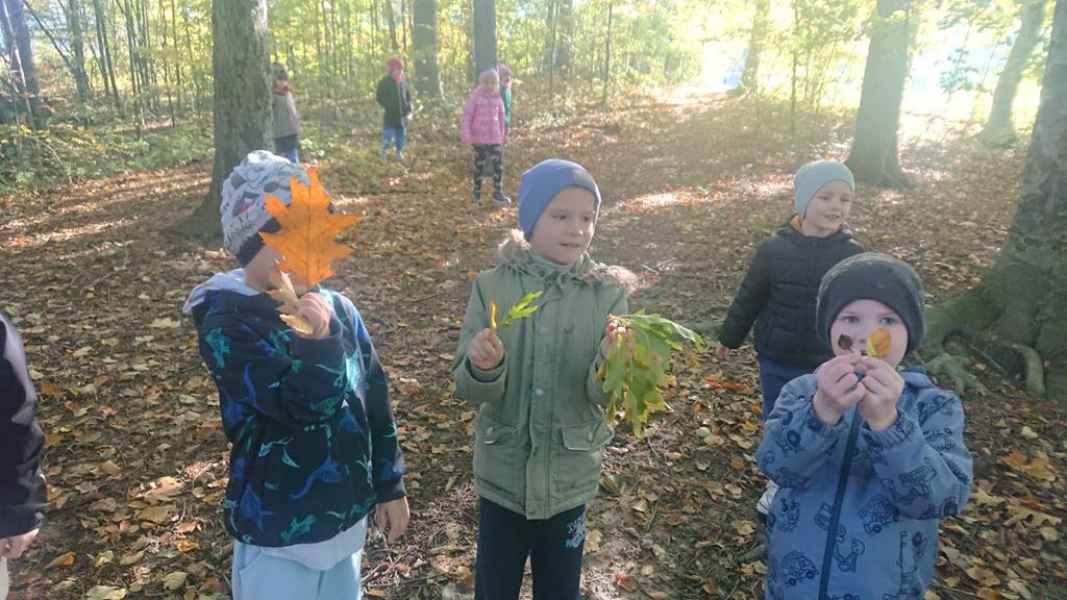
(522, 309)
(635, 370)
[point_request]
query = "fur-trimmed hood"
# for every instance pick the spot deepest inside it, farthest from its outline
(514, 252)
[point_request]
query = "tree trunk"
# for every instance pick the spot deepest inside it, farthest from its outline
(176, 57)
(874, 158)
(999, 130)
(548, 61)
(139, 93)
(606, 75)
(105, 54)
(21, 54)
(424, 39)
(390, 17)
(77, 43)
(565, 45)
(484, 36)
(750, 76)
(242, 99)
(1023, 297)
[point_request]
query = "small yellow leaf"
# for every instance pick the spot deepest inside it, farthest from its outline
(492, 314)
(63, 560)
(879, 343)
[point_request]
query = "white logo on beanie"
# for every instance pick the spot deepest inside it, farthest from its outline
(243, 209)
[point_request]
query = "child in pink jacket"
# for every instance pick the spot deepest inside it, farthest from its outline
(482, 126)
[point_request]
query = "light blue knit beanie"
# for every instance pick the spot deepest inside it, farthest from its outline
(813, 176)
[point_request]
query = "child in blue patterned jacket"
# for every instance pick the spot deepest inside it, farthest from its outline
(869, 457)
(314, 442)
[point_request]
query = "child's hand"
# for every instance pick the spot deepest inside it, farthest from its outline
(883, 386)
(838, 388)
(392, 518)
(13, 547)
(485, 350)
(314, 309)
(612, 335)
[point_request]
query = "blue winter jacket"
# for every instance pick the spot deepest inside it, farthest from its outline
(314, 443)
(880, 493)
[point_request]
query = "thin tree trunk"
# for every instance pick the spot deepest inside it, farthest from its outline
(193, 76)
(606, 76)
(565, 45)
(12, 49)
(24, 59)
(424, 37)
(105, 52)
(874, 158)
(77, 43)
(131, 46)
(750, 76)
(390, 17)
(548, 62)
(177, 59)
(1000, 130)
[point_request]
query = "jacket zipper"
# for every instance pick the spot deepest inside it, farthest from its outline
(835, 514)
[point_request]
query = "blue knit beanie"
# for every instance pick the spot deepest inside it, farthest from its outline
(813, 176)
(544, 182)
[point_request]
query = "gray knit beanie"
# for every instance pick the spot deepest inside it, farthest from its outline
(243, 208)
(813, 176)
(872, 276)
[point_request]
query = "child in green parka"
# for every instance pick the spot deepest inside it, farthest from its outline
(541, 428)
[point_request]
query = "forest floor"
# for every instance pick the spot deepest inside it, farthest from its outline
(137, 460)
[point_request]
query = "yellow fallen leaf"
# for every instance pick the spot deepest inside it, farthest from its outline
(63, 560)
(157, 514)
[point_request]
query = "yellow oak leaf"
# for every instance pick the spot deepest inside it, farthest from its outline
(307, 239)
(879, 342)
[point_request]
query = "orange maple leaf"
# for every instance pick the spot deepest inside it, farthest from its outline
(306, 241)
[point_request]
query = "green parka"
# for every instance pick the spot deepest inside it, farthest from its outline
(541, 428)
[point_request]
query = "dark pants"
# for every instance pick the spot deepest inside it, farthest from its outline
(493, 154)
(289, 147)
(554, 546)
(773, 376)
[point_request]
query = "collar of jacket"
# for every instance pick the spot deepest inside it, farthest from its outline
(792, 233)
(515, 253)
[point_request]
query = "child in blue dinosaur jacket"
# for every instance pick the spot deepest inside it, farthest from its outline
(314, 442)
(869, 457)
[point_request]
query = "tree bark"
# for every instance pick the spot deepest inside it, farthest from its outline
(750, 76)
(1023, 297)
(999, 130)
(874, 158)
(424, 40)
(484, 36)
(22, 61)
(565, 44)
(242, 99)
(390, 17)
(105, 54)
(77, 43)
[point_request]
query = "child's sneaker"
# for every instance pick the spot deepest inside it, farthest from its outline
(763, 506)
(476, 195)
(500, 198)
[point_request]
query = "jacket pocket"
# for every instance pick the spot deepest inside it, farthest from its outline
(576, 471)
(500, 456)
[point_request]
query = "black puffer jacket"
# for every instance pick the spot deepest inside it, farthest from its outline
(22, 489)
(779, 294)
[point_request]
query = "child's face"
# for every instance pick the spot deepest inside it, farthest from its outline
(859, 319)
(263, 265)
(490, 82)
(565, 229)
(829, 208)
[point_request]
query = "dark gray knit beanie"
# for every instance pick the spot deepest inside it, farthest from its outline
(872, 276)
